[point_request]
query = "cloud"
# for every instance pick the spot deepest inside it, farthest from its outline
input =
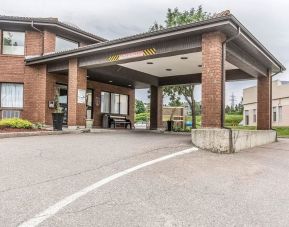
(267, 20)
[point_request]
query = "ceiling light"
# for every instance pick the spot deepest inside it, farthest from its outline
(110, 81)
(184, 58)
(129, 85)
(169, 69)
(150, 63)
(199, 66)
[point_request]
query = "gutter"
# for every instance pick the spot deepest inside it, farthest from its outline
(223, 68)
(231, 148)
(42, 34)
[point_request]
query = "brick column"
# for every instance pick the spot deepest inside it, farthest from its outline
(76, 80)
(212, 80)
(156, 108)
(264, 105)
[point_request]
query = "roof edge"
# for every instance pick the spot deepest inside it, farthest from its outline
(52, 22)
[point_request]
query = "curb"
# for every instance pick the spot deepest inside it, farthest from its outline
(39, 133)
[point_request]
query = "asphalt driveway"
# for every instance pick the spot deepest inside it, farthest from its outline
(199, 188)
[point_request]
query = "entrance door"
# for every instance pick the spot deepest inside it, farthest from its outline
(62, 91)
(89, 104)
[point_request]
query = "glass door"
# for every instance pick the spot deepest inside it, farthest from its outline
(62, 91)
(89, 104)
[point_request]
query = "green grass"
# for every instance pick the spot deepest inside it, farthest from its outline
(282, 131)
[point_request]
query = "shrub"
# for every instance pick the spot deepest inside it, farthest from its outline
(142, 117)
(15, 123)
(233, 120)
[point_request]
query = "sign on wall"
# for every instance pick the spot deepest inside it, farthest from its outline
(81, 96)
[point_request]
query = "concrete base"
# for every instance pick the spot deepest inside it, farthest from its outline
(229, 141)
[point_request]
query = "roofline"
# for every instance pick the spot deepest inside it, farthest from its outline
(258, 43)
(51, 23)
(230, 19)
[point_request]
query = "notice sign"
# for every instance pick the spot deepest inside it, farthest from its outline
(81, 95)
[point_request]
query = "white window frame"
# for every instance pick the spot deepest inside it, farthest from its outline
(119, 112)
(13, 106)
(2, 43)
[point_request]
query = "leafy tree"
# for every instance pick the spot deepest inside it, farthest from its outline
(175, 17)
(139, 107)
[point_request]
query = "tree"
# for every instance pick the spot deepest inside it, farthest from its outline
(139, 107)
(175, 18)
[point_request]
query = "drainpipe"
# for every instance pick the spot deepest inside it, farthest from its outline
(224, 82)
(42, 34)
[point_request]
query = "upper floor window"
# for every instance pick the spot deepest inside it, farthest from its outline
(65, 44)
(13, 43)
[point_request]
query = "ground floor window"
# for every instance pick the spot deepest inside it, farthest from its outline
(246, 117)
(279, 113)
(114, 103)
(274, 114)
(11, 95)
(254, 116)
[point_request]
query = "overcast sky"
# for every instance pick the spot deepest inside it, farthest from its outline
(266, 19)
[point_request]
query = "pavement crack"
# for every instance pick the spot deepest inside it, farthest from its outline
(93, 169)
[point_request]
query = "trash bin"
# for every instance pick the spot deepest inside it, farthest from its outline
(105, 119)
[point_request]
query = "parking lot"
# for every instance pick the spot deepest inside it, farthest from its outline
(58, 177)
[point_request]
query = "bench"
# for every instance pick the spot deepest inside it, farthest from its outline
(118, 120)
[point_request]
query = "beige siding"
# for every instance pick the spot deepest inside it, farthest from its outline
(280, 98)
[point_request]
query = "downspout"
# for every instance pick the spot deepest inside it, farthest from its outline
(223, 84)
(42, 34)
(280, 71)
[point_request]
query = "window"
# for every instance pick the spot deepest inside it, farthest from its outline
(246, 117)
(105, 101)
(65, 44)
(274, 114)
(254, 115)
(114, 108)
(123, 104)
(279, 113)
(114, 103)
(13, 43)
(11, 95)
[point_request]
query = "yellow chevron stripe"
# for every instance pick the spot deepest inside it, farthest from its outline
(150, 51)
(113, 58)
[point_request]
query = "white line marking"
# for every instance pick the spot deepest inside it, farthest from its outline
(52, 210)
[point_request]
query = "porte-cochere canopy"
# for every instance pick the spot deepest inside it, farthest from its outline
(209, 52)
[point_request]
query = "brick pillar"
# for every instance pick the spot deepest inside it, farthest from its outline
(212, 80)
(156, 108)
(264, 105)
(76, 80)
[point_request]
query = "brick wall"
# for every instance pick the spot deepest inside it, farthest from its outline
(212, 79)
(98, 88)
(49, 41)
(76, 80)
(264, 105)
(33, 43)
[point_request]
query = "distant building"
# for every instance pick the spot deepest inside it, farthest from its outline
(280, 104)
